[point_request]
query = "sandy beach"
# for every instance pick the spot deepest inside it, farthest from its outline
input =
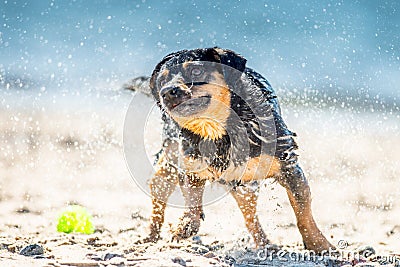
(59, 156)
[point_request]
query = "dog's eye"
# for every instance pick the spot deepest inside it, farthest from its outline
(196, 72)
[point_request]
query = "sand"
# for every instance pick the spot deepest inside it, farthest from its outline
(55, 157)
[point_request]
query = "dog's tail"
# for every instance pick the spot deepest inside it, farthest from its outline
(139, 84)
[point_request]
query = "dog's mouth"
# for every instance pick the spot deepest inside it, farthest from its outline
(191, 106)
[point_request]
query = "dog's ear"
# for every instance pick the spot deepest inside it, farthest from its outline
(211, 54)
(231, 59)
(233, 65)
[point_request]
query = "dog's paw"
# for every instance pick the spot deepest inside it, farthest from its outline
(187, 227)
(149, 239)
(319, 245)
(267, 245)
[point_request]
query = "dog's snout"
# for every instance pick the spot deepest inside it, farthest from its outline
(170, 93)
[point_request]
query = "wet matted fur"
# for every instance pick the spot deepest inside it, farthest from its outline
(222, 123)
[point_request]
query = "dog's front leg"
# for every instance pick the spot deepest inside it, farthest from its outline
(192, 188)
(162, 185)
(246, 198)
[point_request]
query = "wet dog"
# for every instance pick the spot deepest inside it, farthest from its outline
(222, 123)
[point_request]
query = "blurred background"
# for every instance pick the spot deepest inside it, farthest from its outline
(334, 64)
(346, 48)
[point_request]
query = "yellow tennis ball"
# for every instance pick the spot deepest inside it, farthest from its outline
(75, 219)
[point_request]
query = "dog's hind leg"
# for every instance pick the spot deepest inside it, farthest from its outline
(246, 198)
(192, 188)
(299, 195)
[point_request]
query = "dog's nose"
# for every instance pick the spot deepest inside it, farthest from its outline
(170, 93)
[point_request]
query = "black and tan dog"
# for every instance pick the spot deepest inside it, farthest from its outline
(222, 123)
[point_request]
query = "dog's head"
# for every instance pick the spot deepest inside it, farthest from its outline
(194, 88)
